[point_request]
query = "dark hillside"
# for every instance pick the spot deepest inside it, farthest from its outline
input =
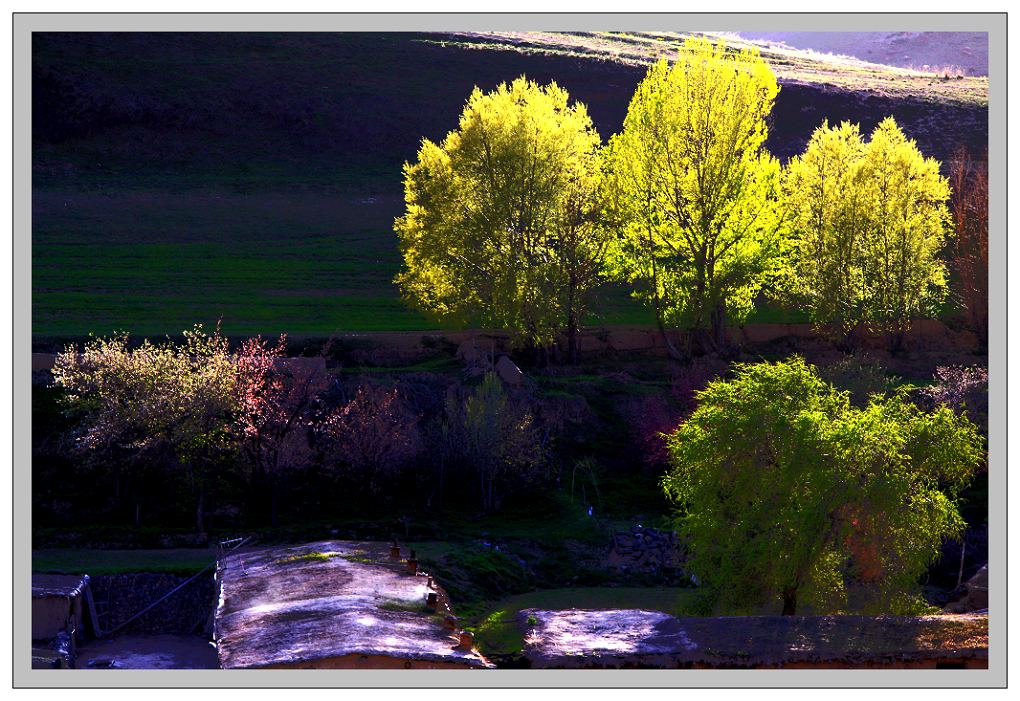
(260, 107)
(311, 106)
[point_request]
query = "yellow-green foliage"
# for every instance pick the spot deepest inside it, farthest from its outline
(694, 189)
(493, 213)
(870, 219)
(789, 495)
(308, 557)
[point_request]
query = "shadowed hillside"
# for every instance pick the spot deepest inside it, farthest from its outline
(264, 106)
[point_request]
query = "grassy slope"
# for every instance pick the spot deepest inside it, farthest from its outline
(791, 65)
(185, 178)
(189, 177)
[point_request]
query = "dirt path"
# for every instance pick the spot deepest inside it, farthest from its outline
(148, 652)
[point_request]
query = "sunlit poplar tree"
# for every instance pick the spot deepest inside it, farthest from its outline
(870, 220)
(695, 192)
(500, 228)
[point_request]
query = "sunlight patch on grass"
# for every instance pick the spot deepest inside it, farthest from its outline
(307, 557)
(790, 64)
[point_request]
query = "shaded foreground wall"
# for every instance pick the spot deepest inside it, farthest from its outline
(619, 639)
(368, 662)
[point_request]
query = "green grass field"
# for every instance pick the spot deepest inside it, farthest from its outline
(155, 262)
(184, 561)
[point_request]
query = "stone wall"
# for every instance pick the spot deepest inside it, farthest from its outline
(648, 551)
(483, 346)
(637, 639)
(189, 610)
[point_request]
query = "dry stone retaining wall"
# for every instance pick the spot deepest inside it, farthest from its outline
(648, 551)
(119, 597)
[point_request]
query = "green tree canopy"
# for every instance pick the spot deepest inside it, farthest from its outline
(694, 190)
(499, 227)
(870, 220)
(788, 495)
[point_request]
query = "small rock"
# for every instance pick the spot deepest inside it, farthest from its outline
(508, 371)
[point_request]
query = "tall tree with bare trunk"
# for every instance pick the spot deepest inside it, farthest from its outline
(969, 180)
(696, 193)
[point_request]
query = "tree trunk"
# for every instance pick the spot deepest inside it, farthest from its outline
(671, 349)
(896, 338)
(719, 326)
(442, 480)
(789, 601)
(848, 342)
(572, 340)
(488, 493)
(200, 511)
(572, 321)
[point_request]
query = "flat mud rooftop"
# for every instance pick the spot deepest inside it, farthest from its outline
(636, 638)
(330, 605)
(61, 604)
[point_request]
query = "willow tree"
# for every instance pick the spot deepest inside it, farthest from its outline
(870, 223)
(694, 190)
(499, 228)
(790, 496)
